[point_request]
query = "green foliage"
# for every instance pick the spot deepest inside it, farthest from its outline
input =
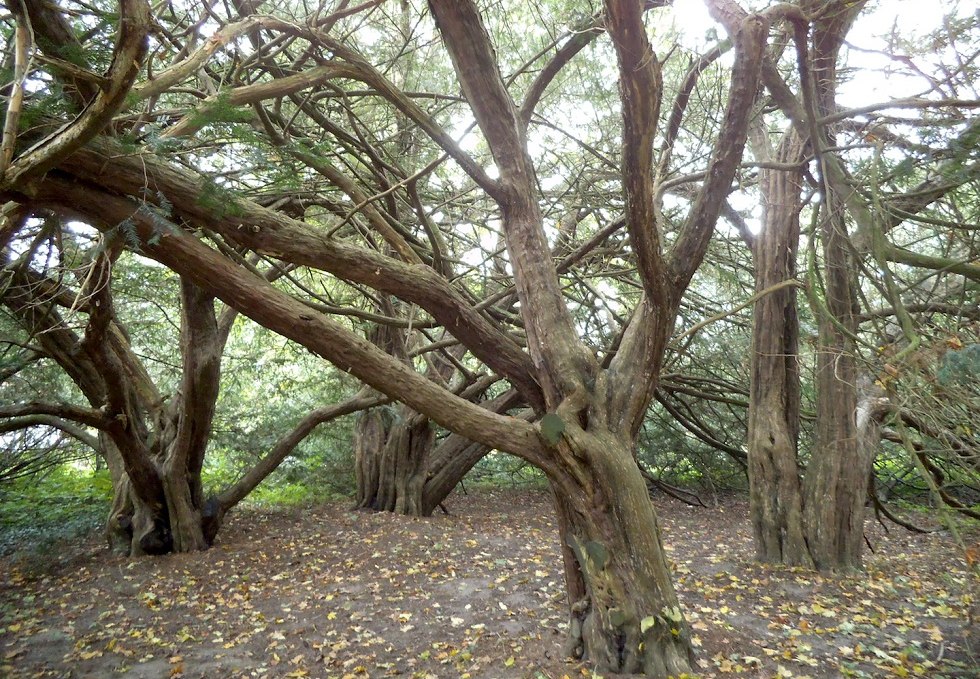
(598, 553)
(220, 110)
(290, 494)
(157, 213)
(216, 198)
(500, 470)
(960, 366)
(38, 513)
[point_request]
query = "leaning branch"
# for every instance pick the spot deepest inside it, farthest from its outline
(254, 297)
(965, 268)
(789, 283)
(41, 420)
(15, 99)
(688, 251)
(234, 494)
(270, 233)
(640, 93)
(90, 417)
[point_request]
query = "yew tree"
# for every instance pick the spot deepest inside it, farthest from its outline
(151, 428)
(280, 138)
(809, 509)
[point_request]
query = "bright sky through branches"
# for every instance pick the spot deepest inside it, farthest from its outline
(876, 75)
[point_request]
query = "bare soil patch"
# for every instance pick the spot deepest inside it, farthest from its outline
(328, 592)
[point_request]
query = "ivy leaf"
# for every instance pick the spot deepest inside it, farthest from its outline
(598, 553)
(552, 427)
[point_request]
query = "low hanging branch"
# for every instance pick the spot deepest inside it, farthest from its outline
(790, 283)
(287, 444)
(685, 496)
(254, 297)
(882, 509)
(52, 412)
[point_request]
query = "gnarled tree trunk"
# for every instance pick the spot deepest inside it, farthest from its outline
(392, 444)
(624, 613)
(837, 476)
(154, 451)
(370, 436)
(821, 522)
(392, 456)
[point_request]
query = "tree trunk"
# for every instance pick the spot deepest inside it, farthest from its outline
(835, 484)
(624, 613)
(119, 524)
(839, 468)
(392, 461)
(775, 491)
(185, 506)
(412, 443)
(370, 434)
(837, 475)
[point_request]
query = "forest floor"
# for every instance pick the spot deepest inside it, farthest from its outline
(327, 592)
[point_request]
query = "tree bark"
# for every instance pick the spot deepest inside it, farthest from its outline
(392, 456)
(370, 435)
(449, 463)
(837, 475)
(775, 489)
(201, 347)
(624, 614)
(836, 479)
(392, 446)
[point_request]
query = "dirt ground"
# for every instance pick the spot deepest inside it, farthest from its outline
(333, 593)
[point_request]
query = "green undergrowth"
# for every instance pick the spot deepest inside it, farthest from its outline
(290, 494)
(39, 513)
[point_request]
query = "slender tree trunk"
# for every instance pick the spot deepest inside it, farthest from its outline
(449, 463)
(201, 346)
(837, 475)
(775, 490)
(825, 529)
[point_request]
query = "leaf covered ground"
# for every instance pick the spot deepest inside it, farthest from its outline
(328, 592)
